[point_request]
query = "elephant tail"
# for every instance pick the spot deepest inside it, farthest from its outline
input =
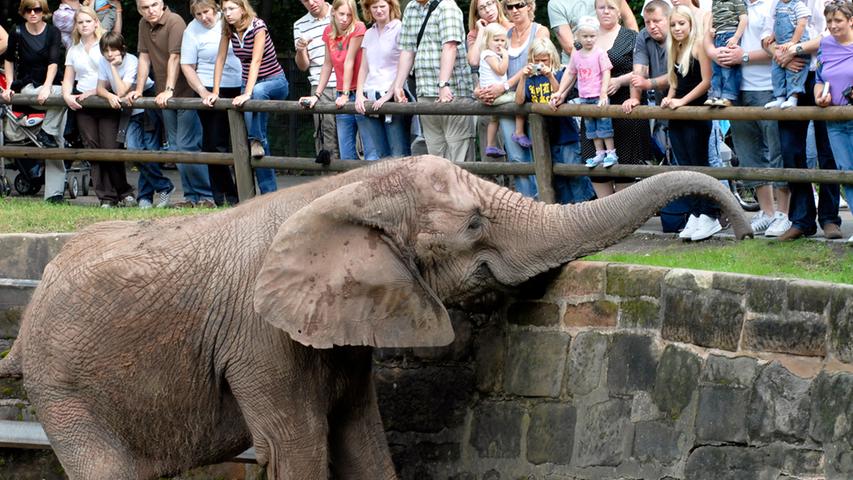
(10, 366)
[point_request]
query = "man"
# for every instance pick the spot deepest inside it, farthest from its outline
(310, 55)
(160, 35)
(650, 68)
(757, 141)
(563, 16)
(441, 73)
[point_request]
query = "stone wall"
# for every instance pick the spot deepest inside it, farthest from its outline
(626, 372)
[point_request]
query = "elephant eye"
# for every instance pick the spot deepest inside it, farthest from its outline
(475, 223)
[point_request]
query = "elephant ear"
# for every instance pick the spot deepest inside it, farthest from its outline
(333, 276)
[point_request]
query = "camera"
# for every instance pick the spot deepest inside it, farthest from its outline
(537, 68)
(305, 102)
(848, 94)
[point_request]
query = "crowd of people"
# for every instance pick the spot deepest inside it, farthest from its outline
(764, 53)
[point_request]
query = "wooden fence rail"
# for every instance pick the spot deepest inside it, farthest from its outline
(542, 165)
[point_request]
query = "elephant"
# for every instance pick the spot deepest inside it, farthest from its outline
(151, 347)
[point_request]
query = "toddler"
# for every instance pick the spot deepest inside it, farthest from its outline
(728, 22)
(591, 66)
(789, 28)
(494, 62)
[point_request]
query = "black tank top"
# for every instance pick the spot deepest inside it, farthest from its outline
(689, 82)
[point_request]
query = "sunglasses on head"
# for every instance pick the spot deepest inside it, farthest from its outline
(515, 6)
(33, 10)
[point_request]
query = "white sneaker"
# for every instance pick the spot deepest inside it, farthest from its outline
(775, 103)
(760, 222)
(790, 102)
(145, 204)
(780, 225)
(705, 228)
(164, 198)
(850, 240)
(128, 201)
(689, 228)
(842, 203)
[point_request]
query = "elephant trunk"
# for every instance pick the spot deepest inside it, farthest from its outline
(589, 227)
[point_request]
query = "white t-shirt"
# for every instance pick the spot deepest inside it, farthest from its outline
(488, 77)
(127, 72)
(312, 28)
(756, 76)
(85, 65)
(199, 47)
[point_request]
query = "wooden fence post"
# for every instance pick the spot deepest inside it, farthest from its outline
(542, 158)
(242, 155)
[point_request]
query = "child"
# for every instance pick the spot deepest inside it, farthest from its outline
(789, 28)
(494, 62)
(591, 66)
(689, 78)
(728, 22)
(108, 13)
(537, 87)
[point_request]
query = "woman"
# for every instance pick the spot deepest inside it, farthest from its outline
(481, 14)
(630, 136)
(835, 71)
(523, 31)
(199, 48)
(689, 70)
(263, 77)
(98, 127)
(31, 66)
(343, 38)
(385, 135)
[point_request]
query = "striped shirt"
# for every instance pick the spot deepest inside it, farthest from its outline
(312, 28)
(243, 50)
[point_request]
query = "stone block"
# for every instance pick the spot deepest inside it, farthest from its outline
(636, 313)
(676, 380)
(538, 314)
(551, 434)
(634, 280)
(535, 363)
(631, 365)
(748, 463)
(841, 325)
(419, 460)
(597, 313)
(766, 295)
(601, 431)
(655, 442)
(721, 416)
(688, 279)
(587, 362)
(730, 282)
(807, 296)
(26, 255)
(10, 321)
(496, 432)
(839, 461)
(460, 349)
(578, 278)
(780, 406)
(737, 372)
(832, 408)
(489, 358)
(427, 399)
(708, 318)
(797, 333)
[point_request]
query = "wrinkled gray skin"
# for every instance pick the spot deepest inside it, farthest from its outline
(152, 347)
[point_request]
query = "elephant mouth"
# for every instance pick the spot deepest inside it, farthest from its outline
(480, 293)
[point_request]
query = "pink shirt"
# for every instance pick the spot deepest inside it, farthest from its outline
(338, 50)
(382, 51)
(589, 69)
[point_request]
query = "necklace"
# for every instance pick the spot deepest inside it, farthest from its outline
(517, 32)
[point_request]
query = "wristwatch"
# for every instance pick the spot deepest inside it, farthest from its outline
(506, 86)
(799, 50)
(443, 84)
(170, 89)
(745, 57)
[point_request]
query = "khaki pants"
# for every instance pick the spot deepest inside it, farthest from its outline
(326, 136)
(449, 136)
(54, 125)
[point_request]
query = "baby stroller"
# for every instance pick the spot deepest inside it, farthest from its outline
(23, 128)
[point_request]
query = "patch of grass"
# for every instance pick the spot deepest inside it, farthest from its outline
(33, 216)
(806, 259)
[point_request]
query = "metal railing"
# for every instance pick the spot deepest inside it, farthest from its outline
(541, 166)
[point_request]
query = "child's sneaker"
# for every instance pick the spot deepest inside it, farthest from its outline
(495, 152)
(722, 102)
(790, 102)
(775, 103)
(596, 160)
(609, 160)
(521, 140)
(710, 101)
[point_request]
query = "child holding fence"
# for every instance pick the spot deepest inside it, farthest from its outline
(494, 62)
(789, 28)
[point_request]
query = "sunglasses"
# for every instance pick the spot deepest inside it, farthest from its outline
(515, 6)
(33, 10)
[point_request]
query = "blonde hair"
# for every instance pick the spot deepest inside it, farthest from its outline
(393, 9)
(544, 46)
(355, 19)
(491, 31)
(45, 8)
(227, 29)
(197, 4)
(679, 54)
(614, 4)
(474, 14)
(85, 10)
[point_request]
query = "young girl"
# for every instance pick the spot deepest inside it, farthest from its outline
(98, 127)
(789, 28)
(343, 39)
(689, 79)
(591, 66)
(494, 62)
(834, 80)
(263, 77)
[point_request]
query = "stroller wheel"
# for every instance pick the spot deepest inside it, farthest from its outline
(85, 185)
(5, 186)
(26, 186)
(73, 187)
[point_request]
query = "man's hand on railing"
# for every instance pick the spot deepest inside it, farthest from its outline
(628, 105)
(308, 102)
(132, 95)
(341, 100)
(163, 97)
(209, 99)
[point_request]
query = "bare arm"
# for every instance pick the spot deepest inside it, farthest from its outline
(741, 27)
(68, 89)
(255, 65)
(302, 59)
(118, 24)
(499, 65)
(628, 19)
(349, 62)
(219, 66)
(192, 78)
(173, 66)
(605, 81)
(702, 87)
(141, 74)
(798, 32)
(407, 59)
(446, 63)
(325, 73)
(566, 38)
(103, 91)
(9, 68)
(4, 40)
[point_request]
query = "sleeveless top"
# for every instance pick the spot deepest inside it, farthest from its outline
(689, 82)
(518, 55)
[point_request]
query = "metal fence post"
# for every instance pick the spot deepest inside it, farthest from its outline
(542, 158)
(242, 155)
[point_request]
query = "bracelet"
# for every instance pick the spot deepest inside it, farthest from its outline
(318, 95)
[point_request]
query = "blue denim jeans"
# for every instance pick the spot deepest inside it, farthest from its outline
(841, 139)
(725, 81)
(347, 130)
(757, 141)
(786, 82)
(151, 178)
(183, 129)
(570, 189)
(274, 87)
(524, 184)
(596, 127)
(384, 135)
